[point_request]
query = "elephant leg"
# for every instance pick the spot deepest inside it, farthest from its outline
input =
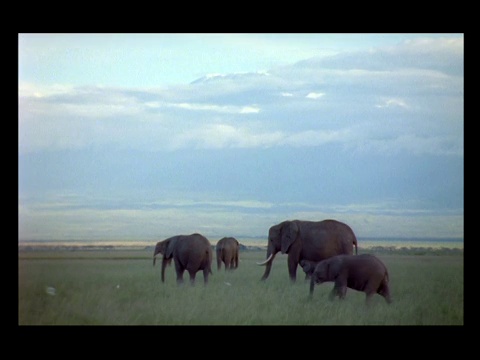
(342, 291)
(292, 269)
(179, 270)
(332, 294)
(388, 299)
(180, 277)
(339, 289)
(385, 292)
(205, 276)
(368, 298)
(371, 289)
(192, 277)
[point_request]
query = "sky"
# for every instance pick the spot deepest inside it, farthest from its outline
(146, 136)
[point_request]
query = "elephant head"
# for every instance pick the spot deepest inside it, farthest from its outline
(320, 274)
(280, 238)
(166, 248)
(308, 267)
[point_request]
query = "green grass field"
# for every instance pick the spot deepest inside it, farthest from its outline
(121, 287)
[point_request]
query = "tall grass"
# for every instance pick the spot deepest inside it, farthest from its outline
(123, 288)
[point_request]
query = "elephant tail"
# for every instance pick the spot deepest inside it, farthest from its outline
(355, 243)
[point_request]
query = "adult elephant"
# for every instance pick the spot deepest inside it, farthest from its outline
(308, 240)
(227, 250)
(189, 252)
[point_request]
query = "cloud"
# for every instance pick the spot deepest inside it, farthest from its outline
(439, 54)
(74, 218)
(221, 136)
(314, 95)
(243, 110)
(412, 144)
(231, 76)
(402, 226)
(317, 138)
(392, 116)
(39, 91)
(63, 117)
(392, 103)
(217, 136)
(251, 109)
(101, 102)
(246, 204)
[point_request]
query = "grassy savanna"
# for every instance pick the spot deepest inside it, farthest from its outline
(121, 287)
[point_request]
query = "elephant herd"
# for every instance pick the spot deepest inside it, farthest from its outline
(194, 253)
(324, 250)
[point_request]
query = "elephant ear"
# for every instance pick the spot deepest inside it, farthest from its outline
(289, 235)
(170, 247)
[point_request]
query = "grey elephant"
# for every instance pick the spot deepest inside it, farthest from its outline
(308, 267)
(189, 252)
(308, 240)
(227, 250)
(364, 272)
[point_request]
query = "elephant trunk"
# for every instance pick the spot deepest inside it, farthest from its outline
(268, 262)
(157, 251)
(312, 285)
(155, 258)
(164, 265)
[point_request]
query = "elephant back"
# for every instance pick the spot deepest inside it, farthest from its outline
(195, 244)
(342, 235)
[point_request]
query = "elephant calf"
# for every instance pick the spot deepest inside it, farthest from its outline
(308, 267)
(359, 272)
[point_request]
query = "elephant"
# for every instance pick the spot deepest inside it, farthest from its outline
(308, 267)
(227, 252)
(308, 240)
(364, 272)
(189, 252)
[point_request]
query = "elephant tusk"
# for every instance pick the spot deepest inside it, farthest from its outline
(266, 261)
